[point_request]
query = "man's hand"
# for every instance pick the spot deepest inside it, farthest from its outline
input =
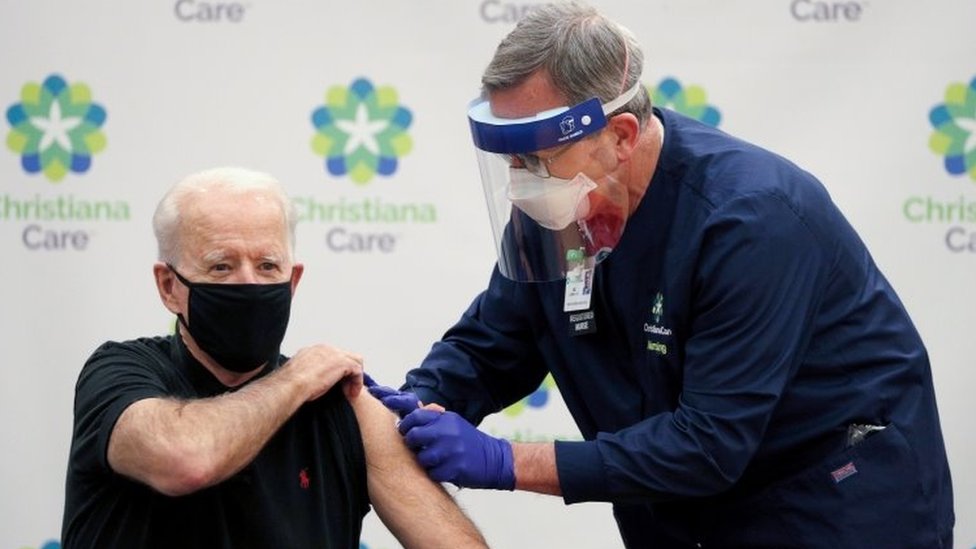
(319, 367)
(399, 402)
(453, 450)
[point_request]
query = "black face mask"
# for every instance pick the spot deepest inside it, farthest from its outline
(240, 325)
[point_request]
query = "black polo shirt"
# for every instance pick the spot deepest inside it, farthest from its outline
(305, 489)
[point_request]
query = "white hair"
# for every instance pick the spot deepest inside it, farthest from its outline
(166, 221)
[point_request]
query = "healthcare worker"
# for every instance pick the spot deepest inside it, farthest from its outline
(742, 373)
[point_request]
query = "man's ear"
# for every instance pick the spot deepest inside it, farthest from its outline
(296, 274)
(165, 283)
(625, 129)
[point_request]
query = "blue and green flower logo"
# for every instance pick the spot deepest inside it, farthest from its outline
(52, 544)
(954, 121)
(690, 101)
(657, 310)
(56, 128)
(361, 131)
(538, 399)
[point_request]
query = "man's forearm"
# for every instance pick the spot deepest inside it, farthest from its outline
(180, 446)
(535, 468)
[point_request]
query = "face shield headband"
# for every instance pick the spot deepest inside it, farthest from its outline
(546, 129)
(545, 227)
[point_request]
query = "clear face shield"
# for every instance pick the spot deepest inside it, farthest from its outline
(547, 228)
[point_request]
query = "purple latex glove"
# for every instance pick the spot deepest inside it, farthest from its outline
(399, 402)
(453, 450)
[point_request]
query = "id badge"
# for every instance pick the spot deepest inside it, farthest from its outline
(579, 289)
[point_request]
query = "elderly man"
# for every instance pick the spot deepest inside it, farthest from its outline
(741, 371)
(210, 438)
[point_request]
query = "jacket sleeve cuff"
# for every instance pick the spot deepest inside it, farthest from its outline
(425, 394)
(581, 474)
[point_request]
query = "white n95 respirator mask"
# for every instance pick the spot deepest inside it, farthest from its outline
(552, 202)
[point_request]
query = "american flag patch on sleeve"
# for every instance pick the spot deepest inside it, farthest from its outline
(843, 472)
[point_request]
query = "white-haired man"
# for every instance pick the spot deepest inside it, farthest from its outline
(210, 437)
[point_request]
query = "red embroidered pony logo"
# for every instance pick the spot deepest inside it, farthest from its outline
(303, 479)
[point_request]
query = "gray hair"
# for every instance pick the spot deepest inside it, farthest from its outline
(585, 54)
(166, 221)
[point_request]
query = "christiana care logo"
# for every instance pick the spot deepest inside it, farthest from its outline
(56, 127)
(361, 132)
(690, 101)
(539, 417)
(538, 399)
(954, 139)
(954, 121)
(658, 335)
(657, 310)
(50, 544)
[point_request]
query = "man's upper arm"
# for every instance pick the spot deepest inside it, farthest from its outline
(418, 511)
(109, 383)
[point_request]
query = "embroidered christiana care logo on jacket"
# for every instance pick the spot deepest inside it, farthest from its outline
(658, 309)
(657, 334)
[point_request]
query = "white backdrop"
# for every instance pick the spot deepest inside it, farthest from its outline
(844, 88)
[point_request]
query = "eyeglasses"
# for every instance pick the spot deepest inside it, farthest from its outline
(536, 164)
